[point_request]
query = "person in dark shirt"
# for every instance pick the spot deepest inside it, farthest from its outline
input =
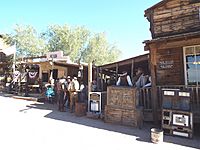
(124, 80)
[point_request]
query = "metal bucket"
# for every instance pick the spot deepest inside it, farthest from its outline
(156, 135)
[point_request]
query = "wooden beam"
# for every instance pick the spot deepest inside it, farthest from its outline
(178, 43)
(126, 62)
(98, 79)
(154, 83)
(117, 69)
(89, 83)
(132, 69)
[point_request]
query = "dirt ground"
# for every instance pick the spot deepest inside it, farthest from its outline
(33, 125)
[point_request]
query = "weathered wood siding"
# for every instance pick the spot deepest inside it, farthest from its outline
(174, 17)
(169, 67)
(121, 105)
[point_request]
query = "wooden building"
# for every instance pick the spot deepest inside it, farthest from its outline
(111, 71)
(130, 65)
(43, 69)
(60, 68)
(5, 64)
(175, 50)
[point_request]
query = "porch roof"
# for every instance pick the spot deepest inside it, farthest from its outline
(173, 37)
(128, 64)
(126, 61)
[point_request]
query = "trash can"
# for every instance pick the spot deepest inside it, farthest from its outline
(156, 135)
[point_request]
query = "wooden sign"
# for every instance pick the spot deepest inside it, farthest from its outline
(166, 64)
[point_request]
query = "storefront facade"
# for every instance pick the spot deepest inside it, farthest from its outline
(175, 50)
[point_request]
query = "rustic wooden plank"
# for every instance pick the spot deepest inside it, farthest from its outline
(113, 115)
(175, 17)
(148, 98)
(177, 43)
(132, 68)
(121, 97)
(161, 12)
(154, 83)
(167, 15)
(120, 116)
(129, 117)
(172, 4)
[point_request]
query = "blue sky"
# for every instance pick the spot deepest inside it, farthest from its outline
(122, 20)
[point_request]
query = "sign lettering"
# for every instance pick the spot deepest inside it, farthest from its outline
(167, 64)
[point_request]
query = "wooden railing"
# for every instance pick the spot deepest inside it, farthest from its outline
(195, 93)
(145, 98)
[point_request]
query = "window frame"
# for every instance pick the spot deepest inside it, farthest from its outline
(185, 69)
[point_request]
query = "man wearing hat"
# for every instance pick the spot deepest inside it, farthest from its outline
(73, 88)
(124, 80)
(67, 94)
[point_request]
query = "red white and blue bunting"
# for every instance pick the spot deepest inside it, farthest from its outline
(32, 74)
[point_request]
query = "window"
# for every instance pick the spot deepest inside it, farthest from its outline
(55, 73)
(192, 65)
(45, 77)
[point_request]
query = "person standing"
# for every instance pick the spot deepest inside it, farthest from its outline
(60, 96)
(67, 94)
(73, 89)
(124, 80)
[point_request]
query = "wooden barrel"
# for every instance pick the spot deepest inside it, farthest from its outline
(156, 135)
(80, 109)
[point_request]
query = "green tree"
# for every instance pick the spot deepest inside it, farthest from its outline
(27, 41)
(71, 40)
(77, 42)
(100, 51)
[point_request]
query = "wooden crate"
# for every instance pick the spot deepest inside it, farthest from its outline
(122, 97)
(122, 116)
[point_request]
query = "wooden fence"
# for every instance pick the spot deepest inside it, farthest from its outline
(145, 99)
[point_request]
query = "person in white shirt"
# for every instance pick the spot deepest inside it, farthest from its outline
(124, 80)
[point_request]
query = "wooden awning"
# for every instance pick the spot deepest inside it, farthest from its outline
(174, 37)
(178, 37)
(128, 65)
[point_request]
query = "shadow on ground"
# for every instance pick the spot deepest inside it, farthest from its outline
(142, 135)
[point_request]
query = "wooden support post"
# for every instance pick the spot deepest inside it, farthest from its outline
(132, 68)
(154, 96)
(89, 83)
(117, 69)
(98, 78)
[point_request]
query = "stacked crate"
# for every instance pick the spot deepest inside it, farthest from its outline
(121, 106)
(177, 117)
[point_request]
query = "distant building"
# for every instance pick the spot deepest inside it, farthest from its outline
(54, 65)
